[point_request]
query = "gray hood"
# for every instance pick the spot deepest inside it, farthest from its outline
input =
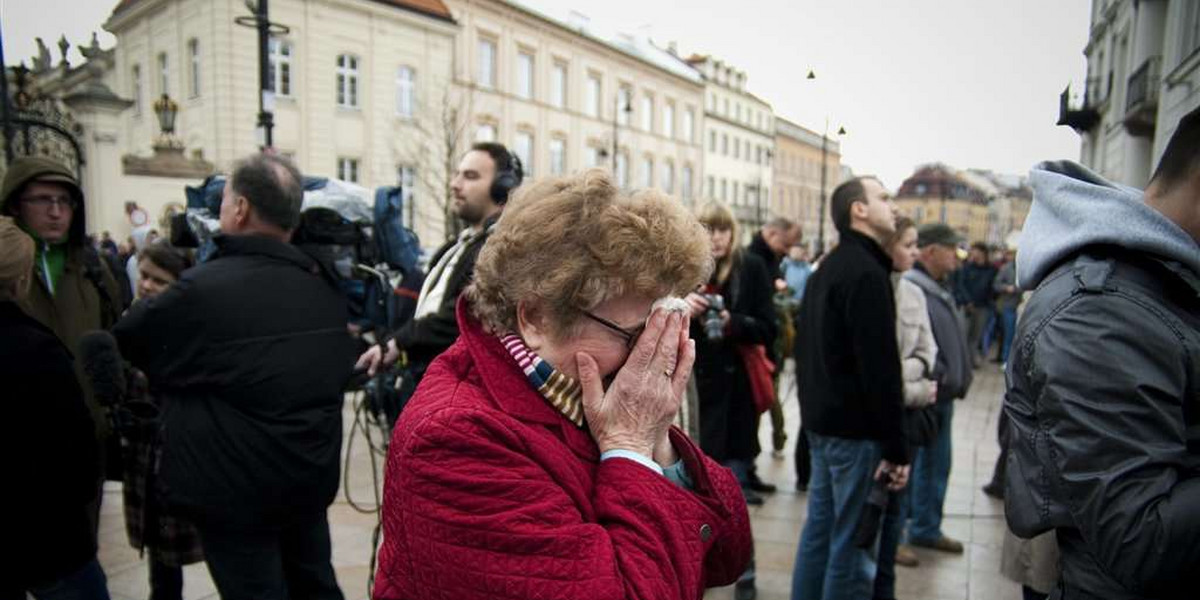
(1074, 207)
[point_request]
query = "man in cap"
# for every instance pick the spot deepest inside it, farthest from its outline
(931, 469)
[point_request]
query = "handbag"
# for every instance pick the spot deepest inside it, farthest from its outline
(920, 425)
(759, 369)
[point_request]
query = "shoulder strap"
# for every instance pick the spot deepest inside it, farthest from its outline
(93, 270)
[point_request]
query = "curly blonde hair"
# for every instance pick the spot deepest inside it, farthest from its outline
(568, 244)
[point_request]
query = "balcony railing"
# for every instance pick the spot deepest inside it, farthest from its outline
(1141, 97)
(1083, 117)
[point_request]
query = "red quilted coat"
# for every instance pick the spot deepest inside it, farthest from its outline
(491, 493)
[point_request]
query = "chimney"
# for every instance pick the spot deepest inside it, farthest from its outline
(673, 48)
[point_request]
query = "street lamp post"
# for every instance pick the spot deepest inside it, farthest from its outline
(617, 109)
(260, 20)
(824, 168)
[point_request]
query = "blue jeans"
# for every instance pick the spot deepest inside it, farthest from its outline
(931, 475)
(1008, 320)
(889, 541)
(88, 583)
(828, 564)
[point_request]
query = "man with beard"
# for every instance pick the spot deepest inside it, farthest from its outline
(486, 176)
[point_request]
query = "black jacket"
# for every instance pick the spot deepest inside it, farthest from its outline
(758, 247)
(1104, 405)
(50, 453)
(952, 371)
(250, 354)
(973, 284)
(847, 361)
(424, 338)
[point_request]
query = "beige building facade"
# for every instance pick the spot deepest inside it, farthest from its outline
(739, 142)
(980, 205)
(796, 192)
(349, 81)
(565, 98)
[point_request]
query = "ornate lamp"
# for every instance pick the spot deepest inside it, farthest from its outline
(166, 110)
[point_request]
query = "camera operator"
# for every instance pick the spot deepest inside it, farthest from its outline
(50, 455)
(733, 308)
(486, 176)
(250, 355)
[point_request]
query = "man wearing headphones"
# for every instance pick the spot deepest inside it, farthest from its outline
(486, 176)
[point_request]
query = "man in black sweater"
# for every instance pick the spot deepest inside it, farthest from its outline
(851, 392)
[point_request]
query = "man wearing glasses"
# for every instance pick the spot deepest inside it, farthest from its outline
(72, 291)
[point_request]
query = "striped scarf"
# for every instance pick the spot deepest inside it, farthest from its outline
(562, 392)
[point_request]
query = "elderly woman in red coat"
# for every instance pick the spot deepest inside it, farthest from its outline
(537, 459)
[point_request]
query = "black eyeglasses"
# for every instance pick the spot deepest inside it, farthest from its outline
(630, 335)
(45, 202)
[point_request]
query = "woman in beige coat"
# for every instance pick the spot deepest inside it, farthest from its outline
(918, 354)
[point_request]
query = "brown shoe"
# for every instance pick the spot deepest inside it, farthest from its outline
(943, 544)
(905, 556)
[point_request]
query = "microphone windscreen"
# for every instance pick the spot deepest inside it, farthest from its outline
(103, 366)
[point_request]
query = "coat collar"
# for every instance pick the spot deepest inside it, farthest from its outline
(508, 387)
(872, 247)
(260, 245)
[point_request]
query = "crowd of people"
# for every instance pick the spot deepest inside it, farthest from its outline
(554, 343)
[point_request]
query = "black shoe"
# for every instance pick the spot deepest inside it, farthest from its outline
(994, 490)
(759, 485)
(745, 590)
(752, 497)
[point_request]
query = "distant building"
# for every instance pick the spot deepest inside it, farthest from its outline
(739, 141)
(981, 205)
(796, 192)
(1143, 76)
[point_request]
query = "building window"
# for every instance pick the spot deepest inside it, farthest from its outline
(668, 178)
(135, 85)
(724, 144)
(525, 75)
(685, 182)
(725, 111)
(624, 105)
(668, 127)
(487, 63)
(164, 75)
(647, 172)
(724, 190)
(712, 141)
(558, 156)
(712, 187)
(736, 196)
(485, 133)
(348, 169)
(648, 113)
(592, 95)
(558, 85)
(405, 92)
(623, 169)
(689, 125)
(194, 68)
(737, 148)
(347, 81)
(523, 149)
(279, 67)
(407, 177)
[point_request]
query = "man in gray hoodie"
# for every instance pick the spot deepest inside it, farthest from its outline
(1103, 394)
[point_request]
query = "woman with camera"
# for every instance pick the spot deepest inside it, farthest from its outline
(733, 308)
(170, 541)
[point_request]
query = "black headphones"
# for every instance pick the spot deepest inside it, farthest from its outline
(507, 179)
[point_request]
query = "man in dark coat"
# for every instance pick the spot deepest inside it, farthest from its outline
(50, 453)
(1104, 378)
(973, 290)
(486, 176)
(250, 354)
(851, 393)
(952, 372)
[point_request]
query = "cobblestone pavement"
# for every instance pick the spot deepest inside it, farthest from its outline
(970, 516)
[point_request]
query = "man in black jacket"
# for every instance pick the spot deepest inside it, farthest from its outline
(486, 176)
(250, 354)
(1103, 393)
(851, 392)
(952, 372)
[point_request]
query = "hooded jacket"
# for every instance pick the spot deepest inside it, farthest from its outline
(1104, 389)
(85, 296)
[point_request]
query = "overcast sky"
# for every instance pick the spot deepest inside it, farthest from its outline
(972, 83)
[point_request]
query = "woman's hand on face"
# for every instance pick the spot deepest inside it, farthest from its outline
(697, 302)
(636, 411)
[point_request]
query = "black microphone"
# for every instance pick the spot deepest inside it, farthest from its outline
(103, 367)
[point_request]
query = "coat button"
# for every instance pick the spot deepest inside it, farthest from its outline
(705, 532)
